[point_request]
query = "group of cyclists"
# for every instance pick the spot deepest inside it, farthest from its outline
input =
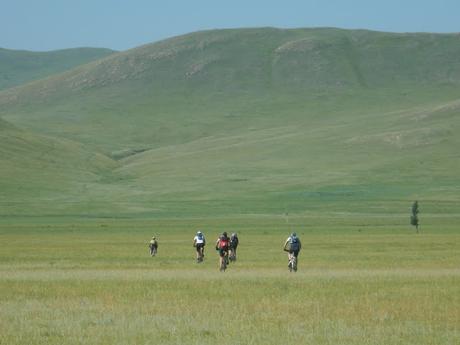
(226, 248)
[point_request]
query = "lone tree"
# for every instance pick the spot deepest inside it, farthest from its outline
(414, 216)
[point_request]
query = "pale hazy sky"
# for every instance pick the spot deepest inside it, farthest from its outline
(123, 24)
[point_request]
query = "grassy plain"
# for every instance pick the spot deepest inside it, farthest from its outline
(362, 280)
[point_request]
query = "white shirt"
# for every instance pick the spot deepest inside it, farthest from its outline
(198, 240)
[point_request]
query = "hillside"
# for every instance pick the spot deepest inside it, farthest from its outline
(18, 66)
(259, 121)
(42, 173)
(149, 94)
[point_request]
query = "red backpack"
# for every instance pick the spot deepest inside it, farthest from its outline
(223, 242)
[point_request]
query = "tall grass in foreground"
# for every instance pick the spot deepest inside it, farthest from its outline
(83, 283)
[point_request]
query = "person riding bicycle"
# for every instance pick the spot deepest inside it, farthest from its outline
(199, 242)
(153, 245)
(222, 246)
(233, 245)
(293, 247)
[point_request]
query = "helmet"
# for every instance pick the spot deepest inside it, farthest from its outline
(293, 234)
(233, 234)
(198, 232)
(224, 234)
(153, 237)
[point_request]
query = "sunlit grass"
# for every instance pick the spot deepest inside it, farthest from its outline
(81, 282)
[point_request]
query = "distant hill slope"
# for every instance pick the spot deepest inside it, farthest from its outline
(19, 66)
(257, 121)
(264, 59)
(213, 77)
(39, 172)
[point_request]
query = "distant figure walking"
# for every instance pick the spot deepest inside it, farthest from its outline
(293, 247)
(233, 245)
(199, 242)
(153, 246)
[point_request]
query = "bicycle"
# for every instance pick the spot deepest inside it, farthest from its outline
(200, 254)
(223, 262)
(292, 260)
(232, 255)
(292, 265)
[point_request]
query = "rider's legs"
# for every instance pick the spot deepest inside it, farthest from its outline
(223, 257)
(290, 255)
(199, 252)
(295, 257)
(232, 254)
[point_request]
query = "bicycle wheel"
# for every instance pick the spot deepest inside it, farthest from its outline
(291, 262)
(223, 264)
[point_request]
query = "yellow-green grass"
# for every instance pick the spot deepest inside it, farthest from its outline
(360, 281)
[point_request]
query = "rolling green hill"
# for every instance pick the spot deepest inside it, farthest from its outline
(40, 172)
(18, 66)
(255, 121)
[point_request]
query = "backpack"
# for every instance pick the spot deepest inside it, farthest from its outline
(223, 242)
(294, 244)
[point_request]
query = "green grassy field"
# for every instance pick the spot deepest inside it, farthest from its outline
(360, 281)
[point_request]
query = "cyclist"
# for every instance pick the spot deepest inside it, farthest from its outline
(153, 246)
(199, 242)
(293, 247)
(233, 245)
(222, 245)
